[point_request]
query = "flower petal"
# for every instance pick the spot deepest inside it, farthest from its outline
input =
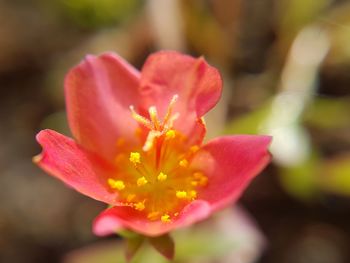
(99, 92)
(131, 219)
(64, 159)
(197, 84)
(230, 163)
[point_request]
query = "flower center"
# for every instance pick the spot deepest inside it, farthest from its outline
(157, 179)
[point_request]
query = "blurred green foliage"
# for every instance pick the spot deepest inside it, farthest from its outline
(306, 180)
(328, 113)
(101, 13)
(248, 123)
(335, 176)
(300, 180)
(294, 15)
(338, 23)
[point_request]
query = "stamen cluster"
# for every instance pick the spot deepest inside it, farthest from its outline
(157, 178)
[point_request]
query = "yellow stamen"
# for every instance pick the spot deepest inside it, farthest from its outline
(170, 134)
(194, 148)
(135, 157)
(193, 194)
(116, 184)
(130, 197)
(181, 194)
(162, 177)
(197, 175)
(153, 216)
(165, 218)
(194, 183)
(183, 163)
(201, 178)
(139, 206)
(141, 181)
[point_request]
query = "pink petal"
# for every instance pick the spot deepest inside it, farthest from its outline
(230, 163)
(197, 84)
(131, 219)
(107, 225)
(99, 92)
(197, 134)
(64, 159)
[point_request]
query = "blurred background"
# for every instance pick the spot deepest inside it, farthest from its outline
(286, 67)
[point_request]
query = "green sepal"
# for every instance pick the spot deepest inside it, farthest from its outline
(132, 245)
(164, 245)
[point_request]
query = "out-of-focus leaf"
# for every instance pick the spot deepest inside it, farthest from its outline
(300, 181)
(338, 23)
(327, 113)
(335, 175)
(164, 245)
(293, 15)
(248, 123)
(92, 13)
(211, 39)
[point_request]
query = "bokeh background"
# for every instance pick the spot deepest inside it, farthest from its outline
(286, 67)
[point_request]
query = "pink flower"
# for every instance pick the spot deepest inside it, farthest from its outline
(138, 143)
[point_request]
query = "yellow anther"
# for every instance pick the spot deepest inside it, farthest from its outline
(183, 163)
(165, 218)
(170, 134)
(139, 206)
(135, 157)
(162, 177)
(116, 184)
(141, 181)
(197, 175)
(153, 216)
(201, 178)
(130, 197)
(194, 183)
(181, 194)
(193, 194)
(194, 148)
